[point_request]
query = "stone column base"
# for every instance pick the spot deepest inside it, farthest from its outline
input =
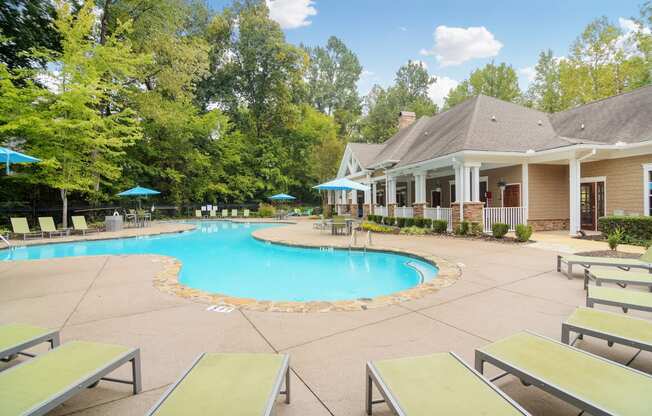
(391, 210)
(419, 210)
(550, 224)
(472, 212)
(353, 210)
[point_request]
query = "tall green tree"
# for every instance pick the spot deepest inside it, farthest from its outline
(545, 90)
(499, 81)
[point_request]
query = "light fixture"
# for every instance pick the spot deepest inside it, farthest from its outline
(502, 185)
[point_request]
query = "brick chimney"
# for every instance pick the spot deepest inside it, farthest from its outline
(405, 118)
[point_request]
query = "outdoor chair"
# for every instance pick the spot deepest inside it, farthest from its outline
(20, 227)
(212, 213)
(37, 386)
(131, 216)
(594, 384)
(15, 338)
(198, 213)
(619, 277)
(234, 213)
(643, 262)
(228, 384)
(437, 384)
(622, 298)
(79, 224)
(225, 213)
(615, 328)
(47, 226)
(245, 213)
(339, 225)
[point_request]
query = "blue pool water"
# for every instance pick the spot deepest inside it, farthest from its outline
(223, 257)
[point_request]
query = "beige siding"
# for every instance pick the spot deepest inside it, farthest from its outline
(509, 174)
(548, 189)
(624, 186)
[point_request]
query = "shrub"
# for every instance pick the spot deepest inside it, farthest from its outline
(376, 228)
(615, 238)
(389, 220)
(440, 226)
(418, 222)
(400, 222)
(371, 218)
(462, 228)
(635, 230)
(409, 222)
(523, 232)
(499, 230)
(427, 223)
(413, 230)
(476, 228)
(266, 210)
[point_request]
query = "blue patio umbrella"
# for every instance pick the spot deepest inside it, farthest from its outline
(8, 156)
(342, 184)
(138, 191)
(281, 197)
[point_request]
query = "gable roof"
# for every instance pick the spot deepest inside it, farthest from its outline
(622, 118)
(365, 153)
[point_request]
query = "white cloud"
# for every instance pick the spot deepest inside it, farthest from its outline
(439, 90)
(291, 14)
(627, 41)
(456, 45)
(529, 73)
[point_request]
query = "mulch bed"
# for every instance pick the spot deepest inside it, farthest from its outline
(609, 253)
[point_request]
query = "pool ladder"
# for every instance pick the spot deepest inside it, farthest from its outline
(4, 240)
(353, 242)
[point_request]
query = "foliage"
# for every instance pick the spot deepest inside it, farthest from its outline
(440, 226)
(499, 81)
(377, 228)
(545, 90)
(266, 210)
(462, 228)
(413, 230)
(409, 93)
(476, 228)
(635, 230)
(499, 230)
(389, 220)
(523, 232)
(400, 222)
(614, 238)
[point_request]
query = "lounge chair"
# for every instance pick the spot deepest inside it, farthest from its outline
(619, 277)
(79, 224)
(612, 327)
(596, 385)
(622, 298)
(245, 213)
(643, 262)
(437, 384)
(212, 213)
(225, 213)
(48, 227)
(15, 338)
(228, 384)
(20, 227)
(198, 213)
(39, 385)
(234, 212)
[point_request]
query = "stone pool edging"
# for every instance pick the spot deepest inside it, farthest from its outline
(168, 281)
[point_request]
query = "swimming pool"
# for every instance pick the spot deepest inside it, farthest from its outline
(223, 257)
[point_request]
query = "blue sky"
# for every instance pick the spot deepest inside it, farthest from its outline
(451, 37)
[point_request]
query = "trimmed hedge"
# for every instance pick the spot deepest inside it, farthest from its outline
(523, 232)
(440, 226)
(499, 230)
(635, 230)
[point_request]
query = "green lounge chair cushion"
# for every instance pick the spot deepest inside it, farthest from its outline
(621, 296)
(47, 224)
(12, 335)
(619, 325)
(225, 384)
(79, 222)
(20, 226)
(440, 384)
(604, 260)
(612, 387)
(48, 375)
(622, 275)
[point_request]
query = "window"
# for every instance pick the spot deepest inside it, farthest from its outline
(647, 189)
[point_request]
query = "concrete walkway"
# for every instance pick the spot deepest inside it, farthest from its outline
(504, 288)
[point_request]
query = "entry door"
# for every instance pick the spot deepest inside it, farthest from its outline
(512, 196)
(587, 206)
(436, 199)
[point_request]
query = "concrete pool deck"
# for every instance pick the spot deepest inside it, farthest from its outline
(504, 288)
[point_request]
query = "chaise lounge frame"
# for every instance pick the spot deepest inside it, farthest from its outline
(621, 280)
(595, 261)
(51, 337)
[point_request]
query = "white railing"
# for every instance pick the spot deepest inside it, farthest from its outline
(440, 213)
(404, 212)
(511, 216)
(380, 210)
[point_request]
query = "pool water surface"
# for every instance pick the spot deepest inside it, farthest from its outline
(223, 257)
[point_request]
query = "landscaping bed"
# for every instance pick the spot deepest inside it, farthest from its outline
(609, 253)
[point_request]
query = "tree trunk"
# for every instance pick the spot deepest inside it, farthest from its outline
(64, 200)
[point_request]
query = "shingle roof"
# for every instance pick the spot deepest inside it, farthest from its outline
(626, 117)
(365, 152)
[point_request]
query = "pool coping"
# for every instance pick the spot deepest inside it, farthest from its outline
(168, 281)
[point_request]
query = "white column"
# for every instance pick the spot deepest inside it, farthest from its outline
(408, 192)
(329, 197)
(354, 197)
(467, 185)
(574, 178)
(420, 188)
(391, 190)
(525, 192)
(374, 189)
(458, 183)
(475, 172)
(367, 195)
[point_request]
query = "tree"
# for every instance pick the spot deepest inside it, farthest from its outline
(331, 79)
(545, 90)
(24, 25)
(69, 132)
(499, 81)
(409, 93)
